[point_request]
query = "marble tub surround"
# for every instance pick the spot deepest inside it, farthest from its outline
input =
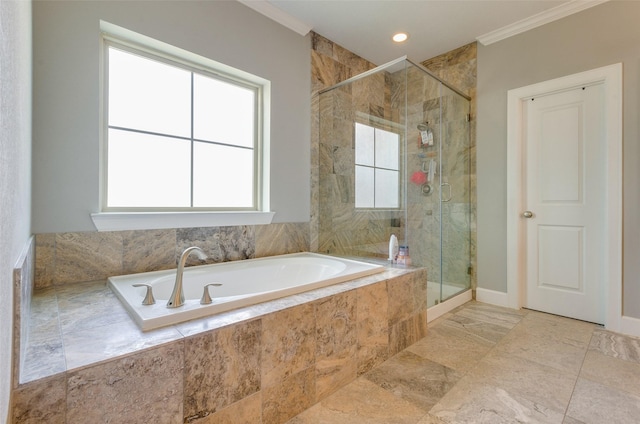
(486, 364)
(265, 363)
(65, 258)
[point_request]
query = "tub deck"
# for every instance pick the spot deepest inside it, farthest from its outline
(87, 361)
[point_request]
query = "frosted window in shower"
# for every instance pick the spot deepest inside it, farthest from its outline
(387, 144)
(179, 136)
(386, 191)
(365, 190)
(377, 169)
(365, 147)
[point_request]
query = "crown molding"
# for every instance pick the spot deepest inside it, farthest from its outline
(278, 15)
(550, 15)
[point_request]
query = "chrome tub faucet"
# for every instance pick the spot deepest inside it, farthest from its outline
(177, 296)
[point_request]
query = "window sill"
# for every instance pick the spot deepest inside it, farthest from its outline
(119, 221)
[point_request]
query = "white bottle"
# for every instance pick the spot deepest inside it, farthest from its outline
(393, 248)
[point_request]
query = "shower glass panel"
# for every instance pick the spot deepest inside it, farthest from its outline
(393, 146)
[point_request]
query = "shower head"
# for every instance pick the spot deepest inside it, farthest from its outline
(423, 126)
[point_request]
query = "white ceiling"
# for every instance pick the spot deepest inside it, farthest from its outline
(365, 27)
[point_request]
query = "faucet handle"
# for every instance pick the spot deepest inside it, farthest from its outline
(206, 299)
(148, 298)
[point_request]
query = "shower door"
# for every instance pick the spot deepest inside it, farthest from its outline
(455, 195)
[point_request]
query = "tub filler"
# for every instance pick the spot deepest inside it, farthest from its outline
(236, 284)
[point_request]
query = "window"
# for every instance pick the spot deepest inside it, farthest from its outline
(377, 168)
(179, 136)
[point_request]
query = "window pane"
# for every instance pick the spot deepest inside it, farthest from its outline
(223, 112)
(222, 176)
(386, 189)
(364, 145)
(148, 171)
(148, 95)
(387, 149)
(364, 187)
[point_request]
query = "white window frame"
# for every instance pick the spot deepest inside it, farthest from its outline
(111, 219)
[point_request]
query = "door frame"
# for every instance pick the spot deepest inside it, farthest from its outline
(611, 77)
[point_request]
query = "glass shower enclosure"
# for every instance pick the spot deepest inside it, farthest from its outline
(394, 159)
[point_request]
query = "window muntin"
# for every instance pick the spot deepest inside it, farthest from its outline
(178, 137)
(377, 168)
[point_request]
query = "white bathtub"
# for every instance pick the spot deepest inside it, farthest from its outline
(244, 283)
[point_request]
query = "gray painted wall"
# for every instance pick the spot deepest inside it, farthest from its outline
(600, 36)
(15, 168)
(66, 41)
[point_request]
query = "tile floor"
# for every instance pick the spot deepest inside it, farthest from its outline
(486, 364)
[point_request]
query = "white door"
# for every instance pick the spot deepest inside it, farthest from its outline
(565, 202)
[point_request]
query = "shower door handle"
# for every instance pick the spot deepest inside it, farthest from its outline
(445, 185)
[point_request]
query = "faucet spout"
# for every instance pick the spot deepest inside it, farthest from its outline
(177, 296)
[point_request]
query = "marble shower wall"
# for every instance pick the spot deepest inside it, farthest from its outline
(65, 258)
(336, 226)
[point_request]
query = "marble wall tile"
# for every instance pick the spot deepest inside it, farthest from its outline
(245, 411)
(148, 250)
(221, 244)
(407, 295)
(293, 395)
(221, 368)
(335, 372)
(279, 239)
(146, 387)
(373, 326)
(42, 401)
(321, 44)
(288, 343)
(336, 342)
(87, 256)
(45, 260)
(335, 324)
(407, 332)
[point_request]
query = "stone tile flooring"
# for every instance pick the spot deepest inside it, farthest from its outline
(486, 364)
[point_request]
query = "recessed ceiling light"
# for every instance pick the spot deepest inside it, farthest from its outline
(400, 37)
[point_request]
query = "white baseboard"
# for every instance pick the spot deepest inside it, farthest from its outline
(630, 326)
(492, 297)
(442, 308)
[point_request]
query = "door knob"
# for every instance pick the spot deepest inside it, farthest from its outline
(527, 214)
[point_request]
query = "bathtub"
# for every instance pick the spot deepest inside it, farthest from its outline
(244, 283)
